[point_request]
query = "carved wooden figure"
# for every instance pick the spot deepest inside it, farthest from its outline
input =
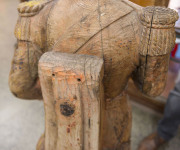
(91, 49)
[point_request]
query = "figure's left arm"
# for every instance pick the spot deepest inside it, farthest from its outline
(151, 75)
(157, 41)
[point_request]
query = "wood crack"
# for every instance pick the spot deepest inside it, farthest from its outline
(100, 31)
(146, 61)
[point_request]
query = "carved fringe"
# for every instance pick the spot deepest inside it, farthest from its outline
(158, 43)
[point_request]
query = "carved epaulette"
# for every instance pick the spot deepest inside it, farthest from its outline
(158, 35)
(158, 17)
(31, 8)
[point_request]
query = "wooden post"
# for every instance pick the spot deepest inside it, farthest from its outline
(73, 97)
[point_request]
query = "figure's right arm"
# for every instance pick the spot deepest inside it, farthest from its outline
(30, 33)
(23, 78)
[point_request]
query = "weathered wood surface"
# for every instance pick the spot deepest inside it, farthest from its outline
(131, 41)
(117, 123)
(73, 84)
(73, 98)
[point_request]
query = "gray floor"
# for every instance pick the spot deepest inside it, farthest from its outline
(145, 122)
(21, 121)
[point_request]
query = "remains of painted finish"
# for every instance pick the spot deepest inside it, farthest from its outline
(28, 9)
(151, 2)
(131, 40)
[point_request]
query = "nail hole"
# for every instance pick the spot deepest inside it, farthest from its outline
(79, 80)
(53, 74)
(75, 97)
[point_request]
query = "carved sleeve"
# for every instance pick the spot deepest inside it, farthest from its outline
(157, 41)
(24, 71)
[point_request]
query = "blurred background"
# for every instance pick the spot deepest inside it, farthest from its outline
(22, 122)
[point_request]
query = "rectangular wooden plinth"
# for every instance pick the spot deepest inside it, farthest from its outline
(73, 97)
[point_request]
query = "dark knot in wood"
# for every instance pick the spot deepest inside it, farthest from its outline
(67, 109)
(79, 80)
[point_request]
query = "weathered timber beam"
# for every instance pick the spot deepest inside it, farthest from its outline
(73, 97)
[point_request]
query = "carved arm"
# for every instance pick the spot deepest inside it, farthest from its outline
(157, 41)
(23, 78)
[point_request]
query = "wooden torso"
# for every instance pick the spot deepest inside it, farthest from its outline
(107, 29)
